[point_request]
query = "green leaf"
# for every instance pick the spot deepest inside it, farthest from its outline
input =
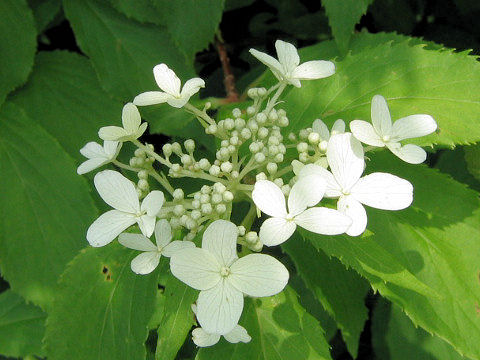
(140, 10)
(64, 96)
(122, 50)
(472, 157)
(413, 80)
(17, 44)
(455, 163)
(191, 35)
(21, 326)
(102, 308)
(280, 328)
(342, 292)
(437, 240)
(396, 338)
(46, 207)
(342, 17)
(44, 11)
(178, 318)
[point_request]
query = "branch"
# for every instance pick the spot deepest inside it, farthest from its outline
(229, 78)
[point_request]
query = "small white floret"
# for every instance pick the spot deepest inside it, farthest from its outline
(98, 155)
(132, 126)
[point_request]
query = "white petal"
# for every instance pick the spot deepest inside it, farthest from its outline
(196, 267)
(93, 150)
(163, 233)
(145, 263)
(191, 87)
(287, 55)
(117, 191)
(91, 164)
(275, 231)
(322, 129)
(238, 334)
(413, 126)
(306, 192)
(412, 154)
(175, 246)
(317, 69)
(383, 191)
(151, 98)
(131, 118)
(166, 79)
(153, 202)
(353, 209)
(203, 339)
(269, 61)
(381, 119)
(258, 275)
(365, 132)
(338, 127)
(112, 133)
(146, 224)
(220, 239)
(177, 102)
(332, 190)
(219, 308)
(136, 242)
(297, 166)
(111, 148)
(269, 198)
(345, 157)
(108, 226)
(324, 221)
(140, 130)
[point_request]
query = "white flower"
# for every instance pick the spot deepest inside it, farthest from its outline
(319, 127)
(132, 128)
(306, 192)
(383, 133)
(170, 84)
(378, 190)
(223, 278)
(147, 261)
(97, 155)
(120, 193)
(203, 339)
(287, 67)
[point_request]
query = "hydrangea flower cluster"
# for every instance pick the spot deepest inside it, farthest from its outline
(251, 164)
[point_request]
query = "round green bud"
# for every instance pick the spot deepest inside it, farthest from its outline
(252, 93)
(186, 159)
(261, 91)
(283, 121)
(179, 210)
(205, 198)
(236, 112)
(303, 157)
(178, 194)
(195, 214)
(143, 174)
(272, 168)
(143, 185)
(211, 129)
(251, 237)
(261, 118)
(206, 189)
(227, 196)
(292, 137)
(286, 189)
(196, 204)
(220, 208)
(278, 182)
(250, 110)
(302, 147)
(246, 133)
(214, 170)
(239, 123)
(234, 140)
(313, 138)
(241, 230)
(133, 162)
(189, 145)
(139, 153)
(216, 198)
(204, 164)
(206, 208)
(229, 124)
(167, 150)
(261, 176)
(259, 157)
(262, 132)
(219, 188)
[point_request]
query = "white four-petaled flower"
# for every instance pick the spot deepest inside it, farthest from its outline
(120, 193)
(306, 192)
(132, 126)
(379, 190)
(383, 133)
(98, 155)
(169, 82)
(287, 67)
(148, 260)
(223, 278)
(203, 339)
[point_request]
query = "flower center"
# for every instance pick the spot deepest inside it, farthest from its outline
(224, 271)
(289, 217)
(386, 138)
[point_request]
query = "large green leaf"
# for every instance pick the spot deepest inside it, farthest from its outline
(472, 157)
(64, 96)
(102, 308)
(395, 337)
(342, 292)
(437, 240)
(46, 207)
(342, 17)
(198, 25)
(456, 163)
(140, 10)
(21, 326)
(122, 50)
(177, 320)
(17, 44)
(414, 81)
(280, 328)
(44, 11)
